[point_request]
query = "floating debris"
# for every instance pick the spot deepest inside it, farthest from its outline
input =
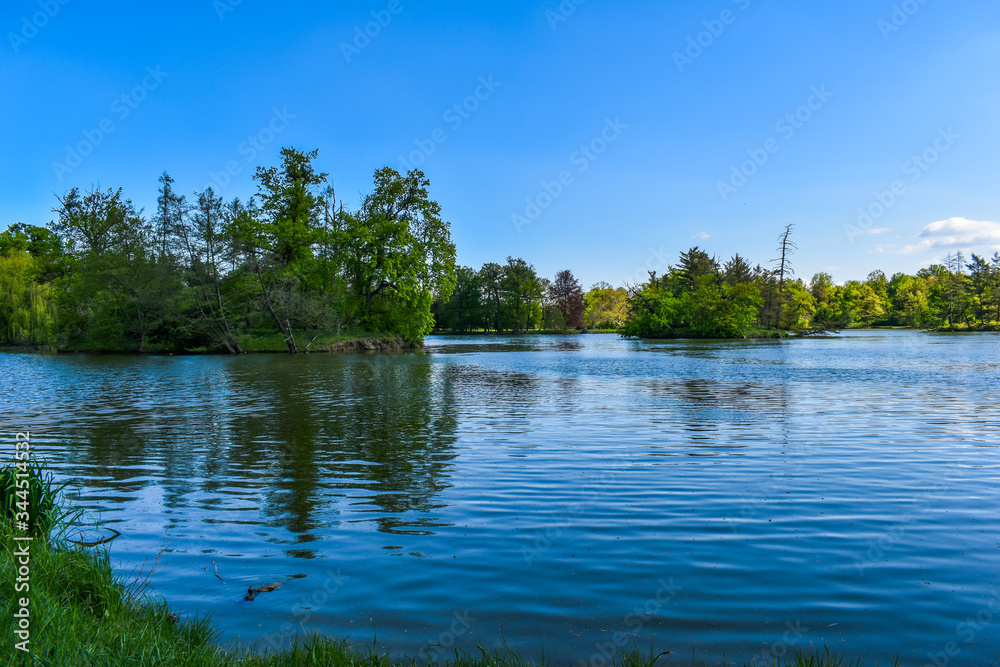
(252, 592)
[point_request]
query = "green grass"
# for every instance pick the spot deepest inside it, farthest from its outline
(26, 487)
(82, 612)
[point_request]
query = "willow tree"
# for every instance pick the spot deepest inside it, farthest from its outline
(27, 313)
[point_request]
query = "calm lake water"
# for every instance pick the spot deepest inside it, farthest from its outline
(566, 493)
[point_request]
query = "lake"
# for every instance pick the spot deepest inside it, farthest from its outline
(572, 494)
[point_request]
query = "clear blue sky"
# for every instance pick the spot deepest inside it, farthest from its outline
(920, 79)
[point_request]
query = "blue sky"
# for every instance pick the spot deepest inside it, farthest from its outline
(601, 137)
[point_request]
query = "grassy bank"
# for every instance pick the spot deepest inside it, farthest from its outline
(82, 612)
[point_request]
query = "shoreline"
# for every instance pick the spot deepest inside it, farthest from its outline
(386, 344)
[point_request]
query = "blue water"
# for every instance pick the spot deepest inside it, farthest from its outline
(573, 495)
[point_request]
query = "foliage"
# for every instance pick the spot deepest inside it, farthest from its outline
(566, 297)
(398, 254)
(606, 307)
(695, 298)
(26, 487)
(198, 276)
(201, 276)
(27, 308)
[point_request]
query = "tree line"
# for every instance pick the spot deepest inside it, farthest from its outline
(512, 297)
(203, 272)
(294, 264)
(703, 296)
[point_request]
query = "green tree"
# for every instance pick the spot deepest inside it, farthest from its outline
(464, 310)
(522, 289)
(398, 254)
(980, 285)
(491, 276)
(113, 295)
(211, 277)
(169, 218)
(606, 307)
(738, 271)
(27, 309)
(654, 310)
(868, 306)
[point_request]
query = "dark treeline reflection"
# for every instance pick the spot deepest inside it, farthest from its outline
(309, 444)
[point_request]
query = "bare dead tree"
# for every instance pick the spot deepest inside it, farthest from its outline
(786, 248)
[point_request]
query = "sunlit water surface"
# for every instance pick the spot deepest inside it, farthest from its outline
(571, 494)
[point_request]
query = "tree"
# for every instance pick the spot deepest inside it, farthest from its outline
(880, 285)
(607, 307)
(464, 310)
(398, 254)
(567, 297)
(954, 285)
(868, 306)
(27, 309)
(980, 284)
(292, 204)
(210, 268)
(654, 310)
(783, 268)
(170, 210)
(694, 264)
(491, 277)
(522, 289)
(737, 270)
(995, 284)
(801, 306)
(910, 301)
(113, 295)
(275, 242)
(821, 286)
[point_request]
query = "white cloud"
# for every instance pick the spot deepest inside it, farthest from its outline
(954, 233)
(873, 231)
(702, 236)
